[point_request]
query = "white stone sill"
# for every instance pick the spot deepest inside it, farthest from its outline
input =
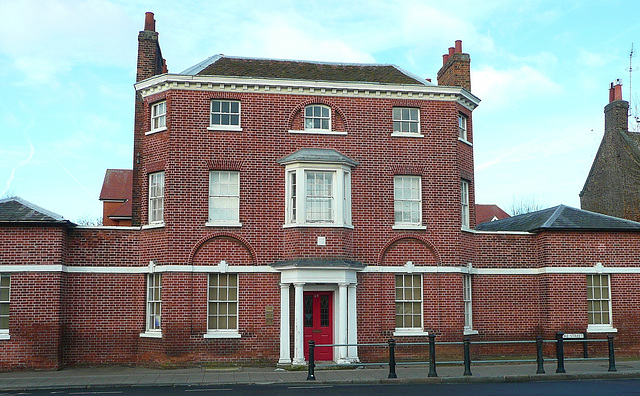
(410, 333)
(5, 336)
(601, 329)
(407, 134)
(214, 224)
(317, 132)
(408, 227)
(151, 132)
(465, 142)
(151, 334)
(222, 128)
(152, 226)
(222, 334)
(317, 225)
(470, 332)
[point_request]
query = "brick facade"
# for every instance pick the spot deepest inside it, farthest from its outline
(88, 305)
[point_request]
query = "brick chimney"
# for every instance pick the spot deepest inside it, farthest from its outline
(456, 68)
(150, 62)
(616, 112)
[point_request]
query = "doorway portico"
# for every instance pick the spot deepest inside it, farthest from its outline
(336, 280)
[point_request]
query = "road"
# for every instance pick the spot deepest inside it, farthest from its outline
(564, 388)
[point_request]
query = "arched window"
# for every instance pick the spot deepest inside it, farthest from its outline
(317, 117)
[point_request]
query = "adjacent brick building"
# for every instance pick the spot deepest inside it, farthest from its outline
(274, 202)
(613, 184)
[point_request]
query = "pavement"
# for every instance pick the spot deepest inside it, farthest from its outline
(117, 376)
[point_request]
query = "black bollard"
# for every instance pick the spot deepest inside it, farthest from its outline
(612, 357)
(560, 352)
(392, 358)
(540, 355)
(467, 356)
(312, 364)
(432, 356)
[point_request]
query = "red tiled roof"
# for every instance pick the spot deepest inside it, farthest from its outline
(485, 213)
(117, 185)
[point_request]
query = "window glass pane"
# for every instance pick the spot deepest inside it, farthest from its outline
(4, 294)
(4, 280)
(215, 106)
(234, 120)
(4, 309)
(4, 322)
(235, 107)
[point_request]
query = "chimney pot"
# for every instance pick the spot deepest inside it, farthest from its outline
(452, 50)
(445, 58)
(149, 22)
(458, 45)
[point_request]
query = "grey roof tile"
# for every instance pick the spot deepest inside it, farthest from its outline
(330, 156)
(560, 217)
(221, 65)
(17, 210)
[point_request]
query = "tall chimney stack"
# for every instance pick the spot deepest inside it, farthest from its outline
(456, 68)
(616, 112)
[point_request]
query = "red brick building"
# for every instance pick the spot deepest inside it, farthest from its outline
(274, 202)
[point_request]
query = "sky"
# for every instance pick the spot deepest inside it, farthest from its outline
(541, 68)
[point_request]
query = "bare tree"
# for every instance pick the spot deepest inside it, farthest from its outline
(524, 204)
(88, 220)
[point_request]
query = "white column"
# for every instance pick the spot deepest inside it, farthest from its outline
(285, 347)
(352, 325)
(342, 322)
(298, 340)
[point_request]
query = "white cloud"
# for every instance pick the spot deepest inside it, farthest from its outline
(45, 37)
(503, 89)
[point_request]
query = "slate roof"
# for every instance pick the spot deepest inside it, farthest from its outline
(560, 217)
(317, 155)
(229, 66)
(17, 210)
(320, 263)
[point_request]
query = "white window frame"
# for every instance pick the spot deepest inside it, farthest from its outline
(222, 299)
(406, 116)
(597, 296)
(153, 315)
(317, 117)
(399, 200)
(296, 202)
(467, 298)
(158, 117)
(231, 193)
(401, 297)
(462, 127)
(5, 305)
(156, 197)
(222, 113)
(464, 204)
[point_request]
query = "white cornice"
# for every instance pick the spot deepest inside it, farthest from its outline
(165, 82)
(596, 269)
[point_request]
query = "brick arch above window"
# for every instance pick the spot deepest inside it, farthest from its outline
(295, 121)
(225, 95)
(417, 170)
(424, 253)
(224, 164)
(213, 245)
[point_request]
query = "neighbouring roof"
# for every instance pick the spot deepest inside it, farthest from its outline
(117, 185)
(560, 217)
(319, 263)
(325, 156)
(17, 210)
(230, 66)
(486, 213)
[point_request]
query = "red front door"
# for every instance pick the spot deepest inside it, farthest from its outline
(318, 323)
